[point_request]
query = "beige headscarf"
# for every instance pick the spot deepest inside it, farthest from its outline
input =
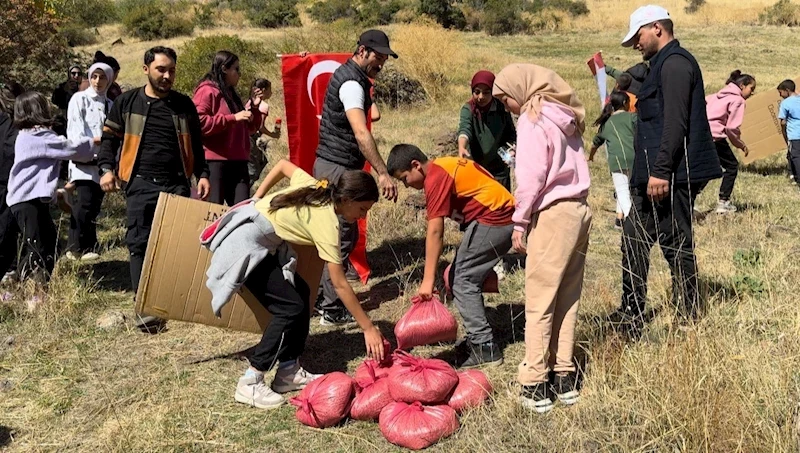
(530, 85)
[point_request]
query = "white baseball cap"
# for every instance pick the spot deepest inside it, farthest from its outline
(645, 15)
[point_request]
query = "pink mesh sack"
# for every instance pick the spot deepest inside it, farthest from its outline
(473, 389)
(371, 398)
(426, 322)
(429, 381)
(325, 401)
(415, 426)
(363, 376)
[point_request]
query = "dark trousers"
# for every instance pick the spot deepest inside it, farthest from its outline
(730, 165)
(82, 222)
(793, 156)
(142, 198)
(39, 238)
(285, 336)
(348, 233)
(9, 236)
(670, 223)
(230, 181)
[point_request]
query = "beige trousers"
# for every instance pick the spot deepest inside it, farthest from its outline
(557, 244)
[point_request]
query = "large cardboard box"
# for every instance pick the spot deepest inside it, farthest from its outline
(173, 279)
(761, 128)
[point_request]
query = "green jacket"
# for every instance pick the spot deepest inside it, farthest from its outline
(617, 134)
(495, 129)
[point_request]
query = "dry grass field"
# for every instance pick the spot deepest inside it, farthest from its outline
(727, 383)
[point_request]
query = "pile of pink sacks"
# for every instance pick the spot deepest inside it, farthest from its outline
(416, 401)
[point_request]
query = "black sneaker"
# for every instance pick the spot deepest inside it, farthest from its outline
(150, 324)
(538, 397)
(336, 318)
(352, 274)
(626, 322)
(618, 224)
(488, 353)
(566, 388)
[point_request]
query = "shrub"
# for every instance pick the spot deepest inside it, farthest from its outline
(473, 18)
(149, 21)
(443, 11)
(431, 56)
(782, 13)
(269, 14)
(31, 49)
(195, 58)
(331, 10)
(77, 35)
(339, 36)
(693, 5)
(89, 13)
(548, 20)
(571, 7)
(204, 15)
(378, 12)
(503, 17)
(395, 89)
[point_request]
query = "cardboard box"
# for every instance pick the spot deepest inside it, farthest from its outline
(173, 279)
(761, 128)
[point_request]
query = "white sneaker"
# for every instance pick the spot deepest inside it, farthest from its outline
(292, 379)
(500, 270)
(725, 207)
(10, 277)
(252, 391)
(70, 256)
(91, 256)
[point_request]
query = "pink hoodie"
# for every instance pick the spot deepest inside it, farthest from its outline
(550, 162)
(725, 111)
(224, 138)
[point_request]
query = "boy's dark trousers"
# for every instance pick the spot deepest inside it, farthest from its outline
(670, 223)
(730, 164)
(39, 238)
(142, 197)
(82, 222)
(285, 337)
(9, 236)
(793, 156)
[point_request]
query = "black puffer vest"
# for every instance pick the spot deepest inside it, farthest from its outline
(337, 142)
(700, 162)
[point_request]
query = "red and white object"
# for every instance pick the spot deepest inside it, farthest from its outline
(598, 68)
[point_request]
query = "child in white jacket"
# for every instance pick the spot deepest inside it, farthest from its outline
(85, 118)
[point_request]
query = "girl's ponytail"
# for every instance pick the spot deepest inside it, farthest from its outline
(318, 195)
(741, 80)
(618, 101)
(354, 185)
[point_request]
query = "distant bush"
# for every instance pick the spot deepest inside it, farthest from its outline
(77, 34)
(378, 12)
(547, 20)
(503, 17)
(31, 50)
(443, 12)
(782, 13)
(339, 36)
(195, 58)
(473, 18)
(693, 5)
(204, 15)
(88, 13)
(396, 89)
(149, 21)
(571, 7)
(431, 55)
(269, 14)
(331, 10)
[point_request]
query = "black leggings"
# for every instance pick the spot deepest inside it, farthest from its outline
(39, 235)
(83, 221)
(285, 337)
(731, 166)
(230, 181)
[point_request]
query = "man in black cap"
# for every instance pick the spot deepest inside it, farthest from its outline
(345, 143)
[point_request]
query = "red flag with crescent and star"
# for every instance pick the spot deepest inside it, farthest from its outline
(305, 81)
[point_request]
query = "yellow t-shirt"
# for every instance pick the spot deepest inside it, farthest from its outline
(317, 226)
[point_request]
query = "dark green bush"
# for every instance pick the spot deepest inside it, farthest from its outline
(395, 89)
(269, 14)
(571, 7)
(693, 5)
(378, 12)
(783, 13)
(149, 21)
(89, 13)
(195, 58)
(364, 12)
(444, 12)
(204, 15)
(503, 17)
(331, 10)
(77, 34)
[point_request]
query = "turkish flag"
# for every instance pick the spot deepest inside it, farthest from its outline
(305, 81)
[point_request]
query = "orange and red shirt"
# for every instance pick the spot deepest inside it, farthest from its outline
(464, 191)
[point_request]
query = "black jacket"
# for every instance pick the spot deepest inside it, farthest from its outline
(8, 137)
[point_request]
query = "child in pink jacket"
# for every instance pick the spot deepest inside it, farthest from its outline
(725, 111)
(552, 216)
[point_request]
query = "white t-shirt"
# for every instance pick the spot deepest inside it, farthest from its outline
(352, 95)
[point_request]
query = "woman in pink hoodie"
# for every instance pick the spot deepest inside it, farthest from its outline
(226, 127)
(725, 110)
(552, 216)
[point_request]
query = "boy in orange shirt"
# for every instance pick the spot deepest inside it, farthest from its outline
(467, 193)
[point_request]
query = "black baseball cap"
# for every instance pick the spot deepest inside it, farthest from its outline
(377, 41)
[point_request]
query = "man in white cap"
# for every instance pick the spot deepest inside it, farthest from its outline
(675, 155)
